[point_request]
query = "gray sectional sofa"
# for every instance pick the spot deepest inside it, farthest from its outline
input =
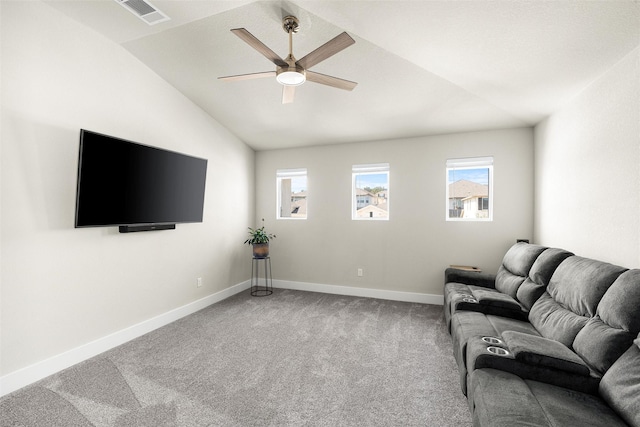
(551, 340)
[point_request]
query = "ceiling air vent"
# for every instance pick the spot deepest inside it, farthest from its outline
(144, 10)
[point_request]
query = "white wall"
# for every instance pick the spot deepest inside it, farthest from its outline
(587, 169)
(64, 287)
(409, 252)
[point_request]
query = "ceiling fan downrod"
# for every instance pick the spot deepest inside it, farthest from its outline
(293, 75)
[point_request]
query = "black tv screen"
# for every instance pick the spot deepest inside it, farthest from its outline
(122, 183)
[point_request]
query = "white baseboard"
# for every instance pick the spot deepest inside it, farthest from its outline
(30, 374)
(361, 292)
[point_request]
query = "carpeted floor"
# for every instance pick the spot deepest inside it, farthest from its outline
(290, 359)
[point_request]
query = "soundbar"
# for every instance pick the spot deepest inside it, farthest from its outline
(147, 227)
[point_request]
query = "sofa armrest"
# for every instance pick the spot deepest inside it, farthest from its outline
(485, 280)
(496, 299)
(480, 356)
(541, 351)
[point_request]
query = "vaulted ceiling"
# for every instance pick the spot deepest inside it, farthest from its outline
(422, 67)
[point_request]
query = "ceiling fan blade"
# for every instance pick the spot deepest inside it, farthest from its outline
(330, 81)
(249, 76)
(252, 41)
(330, 48)
(288, 93)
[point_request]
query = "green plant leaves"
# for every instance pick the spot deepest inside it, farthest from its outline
(258, 235)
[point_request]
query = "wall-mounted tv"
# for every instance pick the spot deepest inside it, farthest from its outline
(136, 187)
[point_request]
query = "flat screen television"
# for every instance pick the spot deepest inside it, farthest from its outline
(136, 187)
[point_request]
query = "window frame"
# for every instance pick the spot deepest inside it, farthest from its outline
(290, 173)
(469, 163)
(369, 169)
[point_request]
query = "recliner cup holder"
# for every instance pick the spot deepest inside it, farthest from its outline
(498, 350)
(492, 340)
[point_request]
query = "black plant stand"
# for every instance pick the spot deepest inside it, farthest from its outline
(256, 289)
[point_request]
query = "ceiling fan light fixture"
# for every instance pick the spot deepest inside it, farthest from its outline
(292, 76)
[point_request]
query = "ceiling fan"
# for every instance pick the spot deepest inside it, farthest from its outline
(291, 72)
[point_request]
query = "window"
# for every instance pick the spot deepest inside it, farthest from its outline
(291, 188)
(483, 204)
(370, 192)
(470, 189)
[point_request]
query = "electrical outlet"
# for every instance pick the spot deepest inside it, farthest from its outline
(199, 282)
(359, 272)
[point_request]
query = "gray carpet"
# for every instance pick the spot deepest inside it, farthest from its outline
(291, 359)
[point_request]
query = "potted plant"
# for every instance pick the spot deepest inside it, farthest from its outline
(260, 241)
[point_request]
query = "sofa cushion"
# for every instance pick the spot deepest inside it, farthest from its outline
(617, 322)
(619, 306)
(554, 321)
(515, 267)
(620, 386)
(572, 297)
(580, 283)
(600, 345)
(542, 351)
(540, 275)
(502, 399)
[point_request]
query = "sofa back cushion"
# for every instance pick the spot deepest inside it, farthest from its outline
(572, 297)
(617, 322)
(620, 386)
(540, 275)
(515, 267)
